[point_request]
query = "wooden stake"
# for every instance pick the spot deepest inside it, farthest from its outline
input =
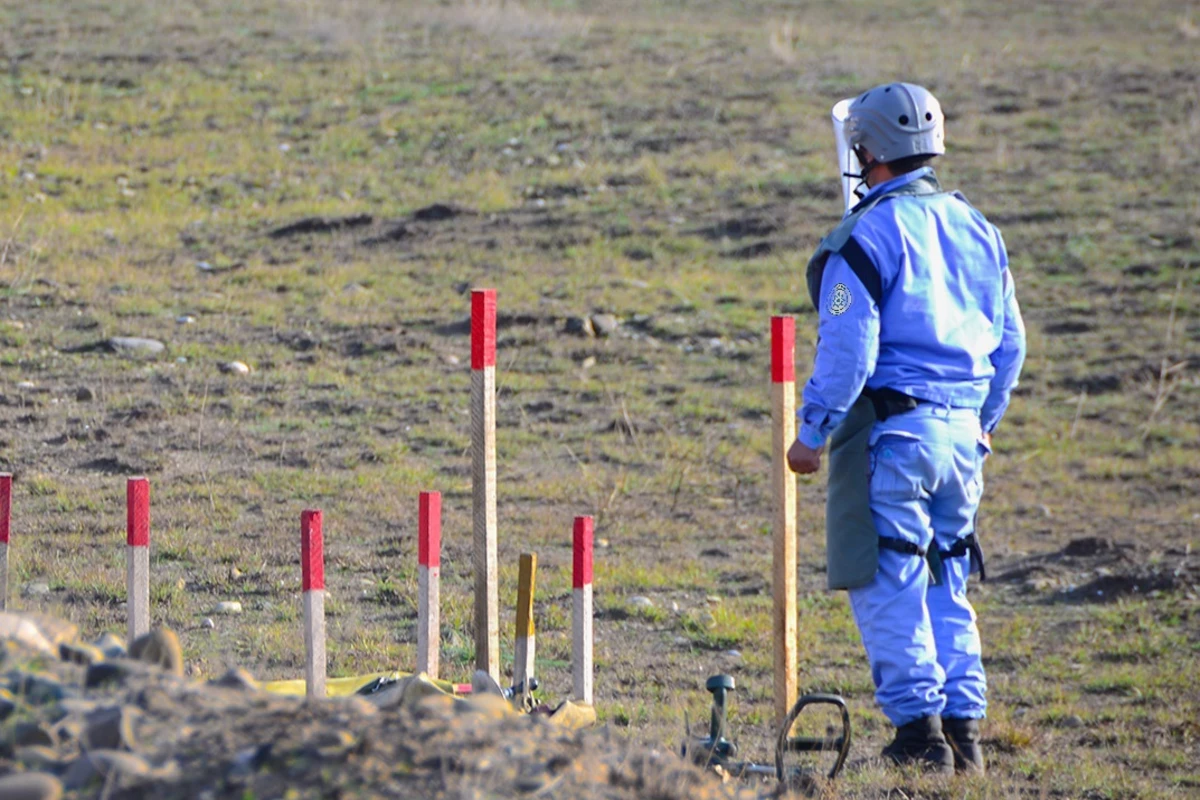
(429, 568)
(483, 480)
(783, 483)
(581, 622)
(526, 646)
(312, 582)
(137, 556)
(5, 530)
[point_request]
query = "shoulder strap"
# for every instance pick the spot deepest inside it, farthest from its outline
(864, 268)
(841, 241)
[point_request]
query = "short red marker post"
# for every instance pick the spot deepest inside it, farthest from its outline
(483, 481)
(137, 556)
(429, 568)
(581, 617)
(783, 482)
(5, 531)
(312, 569)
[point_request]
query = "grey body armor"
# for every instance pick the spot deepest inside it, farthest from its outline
(851, 541)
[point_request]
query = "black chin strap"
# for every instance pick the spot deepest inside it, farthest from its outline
(862, 174)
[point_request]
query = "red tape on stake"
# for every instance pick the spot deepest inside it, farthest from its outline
(429, 538)
(783, 350)
(137, 519)
(5, 506)
(583, 552)
(312, 551)
(483, 328)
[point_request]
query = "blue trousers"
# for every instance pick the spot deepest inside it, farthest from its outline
(921, 639)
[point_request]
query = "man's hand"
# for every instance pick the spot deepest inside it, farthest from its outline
(803, 459)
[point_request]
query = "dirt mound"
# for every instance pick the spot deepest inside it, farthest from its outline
(1097, 569)
(139, 731)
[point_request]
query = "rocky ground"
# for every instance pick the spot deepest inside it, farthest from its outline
(128, 725)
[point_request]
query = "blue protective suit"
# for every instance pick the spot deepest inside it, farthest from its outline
(948, 332)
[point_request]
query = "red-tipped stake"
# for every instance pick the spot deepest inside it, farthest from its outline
(429, 568)
(581, 618)
(783, 482)
(312, 569)
(137, 556)
(483, 480)
(525, 647)
(5, 530)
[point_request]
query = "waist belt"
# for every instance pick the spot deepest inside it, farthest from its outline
(890, 402)
(966, 546)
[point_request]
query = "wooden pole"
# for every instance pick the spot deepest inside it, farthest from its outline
(783, 483)
(312, 582)
(581, 624)
(483, 480)
(429, 568)
(5, 530)
(526, 646)
(137, 556)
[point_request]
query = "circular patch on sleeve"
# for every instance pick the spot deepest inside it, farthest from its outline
(840, 300)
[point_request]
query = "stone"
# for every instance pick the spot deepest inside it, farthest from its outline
(37, 589)
(17, 628)
(185, 319)
(161, 648)
(110, 728)
(136, 346)
(235, 368)
(236, 678)
(105, 673)
(579, 326)
(37, 689)
(228, 607)
(111, 645)
(85, 394)
(641, 602)
(33, 734)
(118, 770)
(38, 757)
(55, 630)
(68, 730)
(605, 324)
(80, 653)
(1073, 721)
(207, 623)
(30, 786)
(8, 704)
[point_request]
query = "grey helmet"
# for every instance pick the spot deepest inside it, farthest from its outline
(897, 120)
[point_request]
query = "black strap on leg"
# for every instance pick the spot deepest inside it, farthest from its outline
(968, 546)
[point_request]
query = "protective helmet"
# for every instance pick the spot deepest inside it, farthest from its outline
(897, 120)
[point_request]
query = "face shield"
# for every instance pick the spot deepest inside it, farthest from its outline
(848, 165)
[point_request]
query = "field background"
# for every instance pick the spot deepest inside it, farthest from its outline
(666, 162)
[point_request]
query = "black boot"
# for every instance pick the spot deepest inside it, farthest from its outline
(963, 736)
(921, 742)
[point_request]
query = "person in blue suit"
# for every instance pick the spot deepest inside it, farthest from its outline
(919, 322)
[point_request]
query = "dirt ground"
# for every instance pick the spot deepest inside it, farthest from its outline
(313, 189)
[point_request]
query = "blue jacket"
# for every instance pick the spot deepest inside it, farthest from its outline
(948, 329)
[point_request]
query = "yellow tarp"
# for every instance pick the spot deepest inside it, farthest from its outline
(343, 687)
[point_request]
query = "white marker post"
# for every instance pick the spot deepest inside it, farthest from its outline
(137, 556)
(312, 576)
(581, 606)
(429, 568)
(483, 480)
(783, 482)
(5, 530)
(526, 646)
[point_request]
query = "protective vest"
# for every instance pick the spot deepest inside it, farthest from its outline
(851, 541)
